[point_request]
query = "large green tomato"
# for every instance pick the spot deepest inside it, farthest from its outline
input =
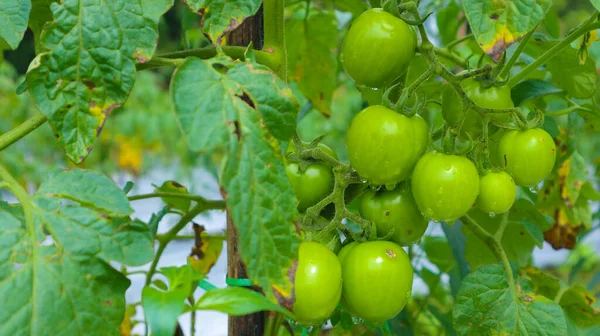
(377, 48)
(378, 280)
(445, 186)
(383, 145)
(345, 249)
(396, 210)
(497, 192)
(528, 156)
(318, 284)
(313, 184)
(493, 98)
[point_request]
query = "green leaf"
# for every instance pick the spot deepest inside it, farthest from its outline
(237, 301)
(70, 272)
(439, 253)
(578, 80)
(222, 16)
(246, 102)
(262, 204)
(163, 308)
(498, 24)
(312, 63)
(448, 22)
(88, 188)
(532, 88)
(87, 65)
(551, 23)
(208, 121)
(596, 4)
(356, 7)
(174, 202)
(13, 20)
(487, 305)
(40, 15)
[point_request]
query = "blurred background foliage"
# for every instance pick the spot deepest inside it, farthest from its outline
(143, 135)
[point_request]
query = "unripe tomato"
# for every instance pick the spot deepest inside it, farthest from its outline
(378, 280)
(396, 210)
(445, 186)
(497, 192)
(492, 98)
(377, 48)
(383, 145)
(313, 184)
(528, 156)
(318, 284)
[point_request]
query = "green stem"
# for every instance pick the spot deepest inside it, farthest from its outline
(458, 41)
(589, 25)
(566, 111)
(506, 69)
(22, 130)
(503, 224)
(486, 141)
(452, 57)
(158, 62)
(163, 240)
(234, 52)
(274, 36)
(495, 246)
(212, 204)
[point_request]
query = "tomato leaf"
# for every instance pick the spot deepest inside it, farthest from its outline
(174, 202)
(222, 16)
(486, 304)
(498, 24)
(62, 258)
(237, 301)
(439, 253)
(312, 63)
(84, 72)
(246, 108)
(162, 308)
(13, 20)
(532, 88)
(40, 14)
(448, 22)
(596, 4)
(578, 80)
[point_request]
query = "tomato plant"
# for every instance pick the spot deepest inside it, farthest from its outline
(137, 137)
(378, 280)
(377, 48)
(528, 156)
(394, 210)
(318, 283)
(445, 186)
(312, 184)
(384, 146)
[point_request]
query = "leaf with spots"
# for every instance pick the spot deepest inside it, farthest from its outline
(86, 67)
(244, 109)
(58, 259)
(13, 20)
(311, 43)
(222, 16)
(486, 304)
(498, 24)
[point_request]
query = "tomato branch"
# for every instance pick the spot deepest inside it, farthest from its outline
(589, 25)
(513, 59)
(22, 130)
(211, 204)
(274, 42)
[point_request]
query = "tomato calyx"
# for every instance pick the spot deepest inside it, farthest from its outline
(305, 154)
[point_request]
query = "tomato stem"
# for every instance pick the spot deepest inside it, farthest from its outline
(505, 71)
(495, 245)
(589, 25)
(22, 130)
(274, 36)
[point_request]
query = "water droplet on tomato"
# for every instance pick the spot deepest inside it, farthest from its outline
(390, 186)
(492, 215)
(534, 189)
(408, 294)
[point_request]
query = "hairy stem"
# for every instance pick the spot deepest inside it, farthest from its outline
(212, 204)
(274, 43)
(506, 69)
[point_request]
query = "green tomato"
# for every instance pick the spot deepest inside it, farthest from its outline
(318, 284)
(378, 280)
(497, 192)
(313, 184)
(528, 156)
(383, 145)
(377, 48)
(445, 186)
(493, 98)
(396, 210)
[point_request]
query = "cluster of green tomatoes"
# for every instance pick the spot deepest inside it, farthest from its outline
(373, 280)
